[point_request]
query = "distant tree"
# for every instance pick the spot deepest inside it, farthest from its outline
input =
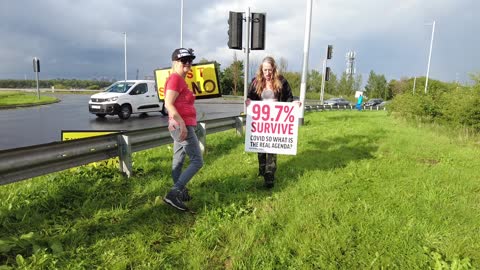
(376, 86)
(314, 82)
(345, 85)
(331, 85)
(203, 61)
(404, 85)
(282, 65)
(294, 80)
(357, 83)
(475, 77)
(232, 78)
(253, 65)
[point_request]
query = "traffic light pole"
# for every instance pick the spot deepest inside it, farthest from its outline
(323, 78)
(247, 52)
(38, 89)
(325, 71)
(36, 69)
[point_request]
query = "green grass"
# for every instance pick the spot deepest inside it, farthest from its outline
(364, 191)
(9, 98)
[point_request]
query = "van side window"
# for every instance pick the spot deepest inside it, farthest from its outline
(141, 88)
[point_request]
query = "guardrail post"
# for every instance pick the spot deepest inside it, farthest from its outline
(239, 125)
(202, 136)
(125, 155)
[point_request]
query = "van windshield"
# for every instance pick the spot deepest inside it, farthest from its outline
(119, 87)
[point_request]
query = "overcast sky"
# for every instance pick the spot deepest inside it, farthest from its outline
(84, 39)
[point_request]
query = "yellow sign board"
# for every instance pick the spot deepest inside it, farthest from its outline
(80, 134)
(202, 80)
(68, 135)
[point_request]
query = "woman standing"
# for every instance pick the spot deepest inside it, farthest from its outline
(268, 84)
(182, 120)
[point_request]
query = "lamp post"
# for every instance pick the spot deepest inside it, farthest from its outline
(181, 24)
(306, 48)
(125, 52)
(429, 56)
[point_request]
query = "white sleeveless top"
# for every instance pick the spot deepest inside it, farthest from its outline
(268, 95)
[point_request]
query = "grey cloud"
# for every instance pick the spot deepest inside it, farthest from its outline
(83, 39)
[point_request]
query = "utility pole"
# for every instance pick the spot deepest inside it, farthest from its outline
(414, 83)
(306, 47)
(247, 53)
(125, 52)
(429, 56)
(181, 24)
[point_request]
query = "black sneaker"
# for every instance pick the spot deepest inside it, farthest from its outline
(185, 195)
(269, 179)
(173, 198)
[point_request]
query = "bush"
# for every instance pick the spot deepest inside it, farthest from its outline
(93, 87)
(456, 107)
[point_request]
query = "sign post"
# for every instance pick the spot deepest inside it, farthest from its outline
(36, 69)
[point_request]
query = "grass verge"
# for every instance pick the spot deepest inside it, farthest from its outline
(10, 99)
(364, 191)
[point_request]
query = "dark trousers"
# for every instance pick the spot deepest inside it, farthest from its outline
(267, 163)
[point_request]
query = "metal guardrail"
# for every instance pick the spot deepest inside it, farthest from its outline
(27, 162)
(312, 107)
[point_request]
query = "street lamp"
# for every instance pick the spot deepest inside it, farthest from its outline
(125, 53)
(181, 24)
(429, 55)
(306, 49)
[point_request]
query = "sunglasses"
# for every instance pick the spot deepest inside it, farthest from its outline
(186, 61)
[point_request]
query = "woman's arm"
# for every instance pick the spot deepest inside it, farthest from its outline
(170, 97)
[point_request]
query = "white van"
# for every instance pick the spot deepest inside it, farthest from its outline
(126, 97)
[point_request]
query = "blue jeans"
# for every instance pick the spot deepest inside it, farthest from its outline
(191, 147)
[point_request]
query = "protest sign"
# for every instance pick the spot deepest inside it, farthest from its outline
(272, 127)
(202, 80)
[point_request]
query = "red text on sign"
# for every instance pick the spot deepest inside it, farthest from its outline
(272, 128)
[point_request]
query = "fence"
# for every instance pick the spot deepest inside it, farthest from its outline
(313, 107)
(27, 162)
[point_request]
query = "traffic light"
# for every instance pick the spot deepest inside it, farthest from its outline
(329, 51)
(235, 27)
(327, 73)
(36, 64)
(258, 31)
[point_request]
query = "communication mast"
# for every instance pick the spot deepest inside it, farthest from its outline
(350, 70)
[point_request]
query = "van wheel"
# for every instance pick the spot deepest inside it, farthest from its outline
(125, 112)
(164, 111)
(100, 115)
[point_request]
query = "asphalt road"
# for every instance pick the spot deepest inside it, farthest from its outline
(44, 124)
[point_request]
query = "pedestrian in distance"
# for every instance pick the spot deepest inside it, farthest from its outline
(359, 102)
(268, 85)
(182, 121)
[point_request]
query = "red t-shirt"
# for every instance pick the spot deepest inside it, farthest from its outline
(185, 100)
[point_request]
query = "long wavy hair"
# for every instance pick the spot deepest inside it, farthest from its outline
(261, 83)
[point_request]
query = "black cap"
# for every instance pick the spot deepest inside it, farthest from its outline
(182, 53)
